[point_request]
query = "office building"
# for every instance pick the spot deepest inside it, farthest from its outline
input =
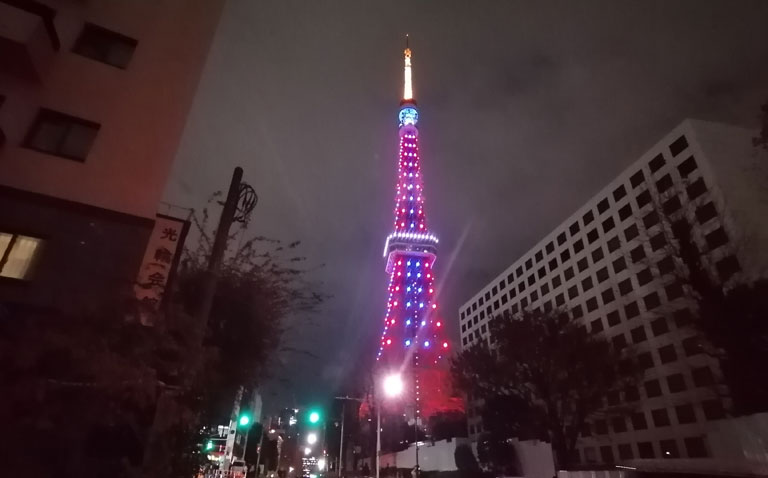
(94, 97)
(610, 265)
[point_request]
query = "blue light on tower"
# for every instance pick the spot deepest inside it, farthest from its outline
(408, 115)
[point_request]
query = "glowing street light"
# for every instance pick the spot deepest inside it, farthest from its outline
(321, 464)
(307, 450)
(393, 385)
(312, 438)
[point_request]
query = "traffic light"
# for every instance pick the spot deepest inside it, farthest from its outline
(209, 445)
(314, 416)
(244, 420)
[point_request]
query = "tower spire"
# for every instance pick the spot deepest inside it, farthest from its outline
(408, 89)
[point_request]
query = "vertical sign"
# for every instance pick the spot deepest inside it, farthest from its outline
(160, 260)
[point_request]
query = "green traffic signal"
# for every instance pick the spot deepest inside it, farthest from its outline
(244, 420)
(209, 445)
(314, 417)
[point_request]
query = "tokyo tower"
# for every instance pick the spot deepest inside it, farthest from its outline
(413, 342)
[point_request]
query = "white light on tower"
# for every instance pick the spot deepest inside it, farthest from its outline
(312, 438)
(393, 385)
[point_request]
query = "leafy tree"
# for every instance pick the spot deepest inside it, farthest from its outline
(732, 322)
(545, 376)
(447, 424)
(497, 455)
(85, 389)
(466, 463)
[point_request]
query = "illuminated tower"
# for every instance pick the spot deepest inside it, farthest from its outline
(413, 341)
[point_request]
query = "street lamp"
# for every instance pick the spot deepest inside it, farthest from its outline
(393, 387)
(312, 438)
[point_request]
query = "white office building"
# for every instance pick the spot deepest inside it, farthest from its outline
(609, 263)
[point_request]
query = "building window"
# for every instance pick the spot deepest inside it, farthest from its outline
(687, 167)
(613, 318)
(667, 354)
(717, 238)
(494, 290)
(637, 254)
(619, 265)
(619, 193)
(643, 198)
(104, 45)
(582, 264)
(588, 217)
(573, 292)
(706, 212)
(613, 244)
(695, 447)
(592, 236)
(561, 239)
(574, 228)
(663, 184)
(512, 293)
(531, 279)
(666, 265)
(669, 449)
(539, 256)
(650, 219)
(678, 146)
(651, 301)
(504, 299)
(653, 389)
(645, 361)
(556, 282)
(602, 206)
(18, 255)
(578, 246)
(632, 310)
(568, 273)
(656, 163)
(631, 232)
(559, 300)
(510, 278)
(521, 286)
(713, 409)
(660, 417)
(659, 326)
(676, 383)
(645, 449)
(606, 454)
(727, 267)
(550, 248)
(671, 205)
(61, 135)
(674, 290)
(608, 224)
(602, 274)
(625, 286)
(534, 296)
(553, 264)
(636, 179)
(625, 451)
(519, 271)
(597, 326)
(658, 241)
(591, 304)
(576, 312)
(608, 296)
(644, 277)
(544, 290)
(502, 284)
(586, 284)
(696, 189)
(565, 255)
(541, 272)
(639, 335)
(515, 308)
(638, 421)
(625, 212)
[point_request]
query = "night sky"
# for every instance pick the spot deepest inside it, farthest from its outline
(526, 110)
